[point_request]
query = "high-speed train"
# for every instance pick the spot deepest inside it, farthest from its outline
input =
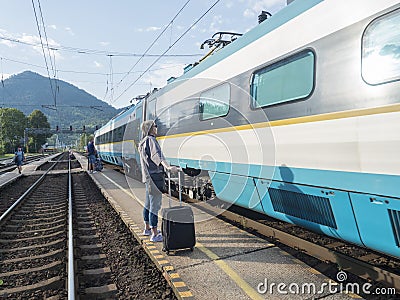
(298, 119)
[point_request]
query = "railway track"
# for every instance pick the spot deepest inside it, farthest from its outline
(6, 165)
(33, 240)
(61, 239)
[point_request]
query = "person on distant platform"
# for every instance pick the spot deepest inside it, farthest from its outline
(91, 150)
(153, 163)
(19, 158)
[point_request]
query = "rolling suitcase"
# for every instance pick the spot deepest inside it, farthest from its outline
(98, 165)
(177, 224)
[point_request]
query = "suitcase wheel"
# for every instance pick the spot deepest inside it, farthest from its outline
(191, 249)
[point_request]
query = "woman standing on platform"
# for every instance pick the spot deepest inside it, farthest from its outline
(153, 163)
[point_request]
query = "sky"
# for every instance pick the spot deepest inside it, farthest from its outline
(98, 45)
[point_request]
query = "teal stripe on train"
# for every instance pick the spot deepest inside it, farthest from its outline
(378, 184)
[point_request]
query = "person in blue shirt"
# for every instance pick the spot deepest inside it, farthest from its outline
(91, 155)
(19, 158)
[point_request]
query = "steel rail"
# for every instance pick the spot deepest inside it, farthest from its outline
(4, 215)
(71, 271)
(9, 167)
(325, 253)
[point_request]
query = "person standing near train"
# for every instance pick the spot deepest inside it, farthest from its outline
(91, 150)
(19, 158)
(153, 163)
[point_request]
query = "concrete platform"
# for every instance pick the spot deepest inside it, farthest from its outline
(27, 169)
(227, 262)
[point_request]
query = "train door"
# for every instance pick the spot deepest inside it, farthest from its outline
(131, 142)
(137, 136)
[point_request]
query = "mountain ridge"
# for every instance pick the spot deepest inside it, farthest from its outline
(28, 91)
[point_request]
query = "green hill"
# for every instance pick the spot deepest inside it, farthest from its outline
(75, 107)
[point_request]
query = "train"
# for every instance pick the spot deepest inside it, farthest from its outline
(297, 119)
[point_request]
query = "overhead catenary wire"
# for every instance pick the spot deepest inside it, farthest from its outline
(169, 48)
(111, 81)
(96, 52)
(152, 44)
(52, 105)
(44, 54)
(82, 72)
(47, 41)
(52, 61)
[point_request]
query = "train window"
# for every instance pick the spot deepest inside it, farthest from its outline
(116, 135)
(215, 102)
(151, 110)
(289, 79)
(120, 134)
(381, 49)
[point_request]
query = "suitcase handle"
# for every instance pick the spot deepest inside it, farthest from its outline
(179, 187)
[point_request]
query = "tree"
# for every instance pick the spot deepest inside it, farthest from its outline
(37, 119)
(83, 141)
(12, 125)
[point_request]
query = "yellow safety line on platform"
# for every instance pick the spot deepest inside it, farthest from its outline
(252, 293)
(177, 283)
(123, 189)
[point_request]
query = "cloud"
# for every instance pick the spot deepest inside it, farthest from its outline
(216, 23)
(53, 27)
(7, 43)
(229, 4)
(152, 28)
(69, 30)
(5, 34)
(248, 13)
(32, 42)
(148, 29)
(254, 7)
(104, 43)
(30, 39)
(33, 39)
(4, 76)
(97, 64)
(159, 74)
(390, 50)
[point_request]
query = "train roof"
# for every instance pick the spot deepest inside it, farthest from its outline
(286, 14)
(128, 110)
